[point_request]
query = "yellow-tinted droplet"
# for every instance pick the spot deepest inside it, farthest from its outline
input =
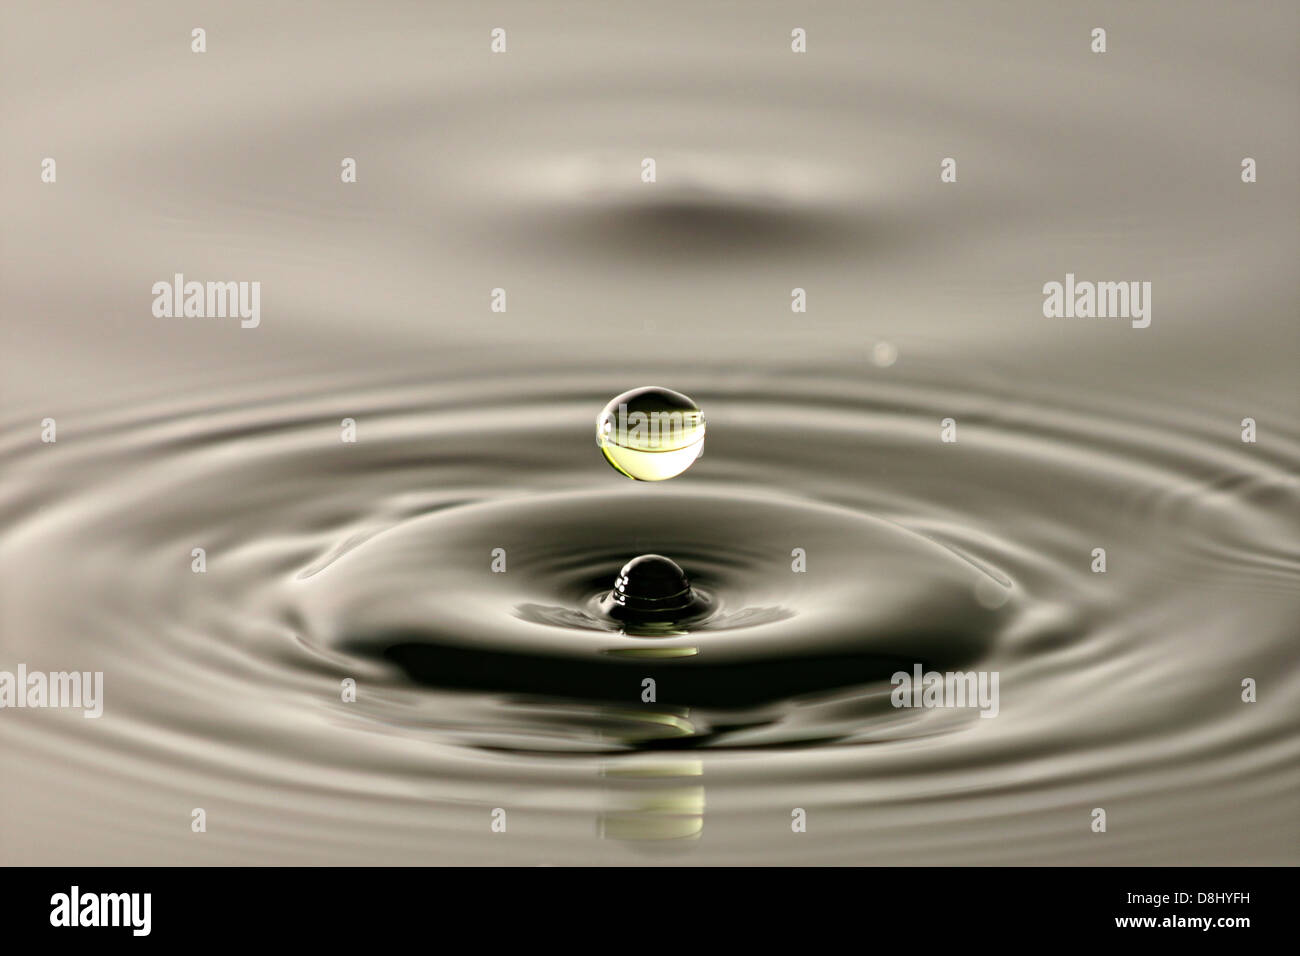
(651, 433)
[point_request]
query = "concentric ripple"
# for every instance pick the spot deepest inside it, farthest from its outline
(877, 599)
(372, 562)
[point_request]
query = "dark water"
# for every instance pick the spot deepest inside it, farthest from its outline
(372, 561)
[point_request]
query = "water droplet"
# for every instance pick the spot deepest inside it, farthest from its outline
(990, 594)
(651, 433)
(884, 354)
(653, 589)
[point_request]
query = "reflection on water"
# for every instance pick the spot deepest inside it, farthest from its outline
(657, 800)
(454, 561)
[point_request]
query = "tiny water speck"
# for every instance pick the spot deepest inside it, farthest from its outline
(884, 354)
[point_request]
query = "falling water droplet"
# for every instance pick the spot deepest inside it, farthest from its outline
(650, 433)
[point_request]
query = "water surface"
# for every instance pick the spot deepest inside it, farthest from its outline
(371, 561)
